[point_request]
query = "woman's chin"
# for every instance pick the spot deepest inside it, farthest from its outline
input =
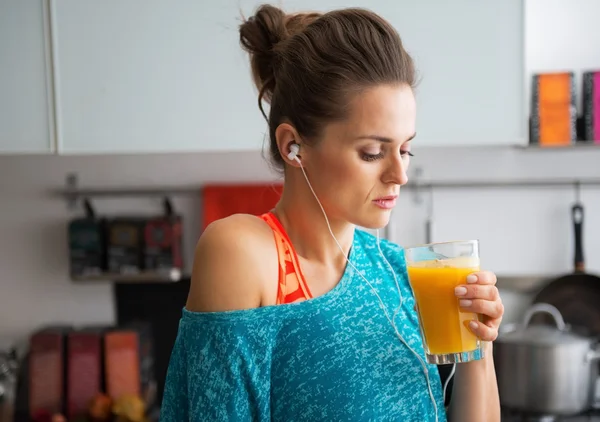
(375, 222)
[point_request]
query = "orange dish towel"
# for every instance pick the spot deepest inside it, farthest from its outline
(220, 200)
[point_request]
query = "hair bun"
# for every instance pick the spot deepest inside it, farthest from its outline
(261, 34)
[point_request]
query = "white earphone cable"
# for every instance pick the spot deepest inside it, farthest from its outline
(448, 380)
(381, 304)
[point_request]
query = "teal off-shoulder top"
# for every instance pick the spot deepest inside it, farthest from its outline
(331, 358)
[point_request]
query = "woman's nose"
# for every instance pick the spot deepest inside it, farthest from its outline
(397, 171)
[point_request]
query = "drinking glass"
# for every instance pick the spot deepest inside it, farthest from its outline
(434, 270)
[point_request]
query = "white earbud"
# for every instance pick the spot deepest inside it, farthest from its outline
(294, 149)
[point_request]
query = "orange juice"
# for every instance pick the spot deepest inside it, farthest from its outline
(445, 327)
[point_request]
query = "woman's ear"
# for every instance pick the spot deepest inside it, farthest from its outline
(286, 136)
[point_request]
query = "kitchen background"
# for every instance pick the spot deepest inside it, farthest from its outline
(143, 95)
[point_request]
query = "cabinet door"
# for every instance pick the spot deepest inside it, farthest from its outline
(25, 105)
(469, 57)
(154, 76)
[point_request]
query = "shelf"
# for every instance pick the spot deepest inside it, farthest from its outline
(128, 191)
(578, 146)
(167, 276)
(416, 185)
(186, 190)
(72, 193)
(517, 183)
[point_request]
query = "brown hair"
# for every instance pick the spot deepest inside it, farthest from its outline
(307, 64)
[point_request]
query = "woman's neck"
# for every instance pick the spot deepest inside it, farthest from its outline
(305, 224)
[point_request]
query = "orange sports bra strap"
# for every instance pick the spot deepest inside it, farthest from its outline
(292, 285)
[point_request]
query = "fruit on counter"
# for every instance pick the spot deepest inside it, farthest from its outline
(129, 408)
(59, 417)
(100, 408)
(41, 416)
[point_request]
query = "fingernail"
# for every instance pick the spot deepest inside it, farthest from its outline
(460, 291)
(465, 302)
(471, 278)
(473, 325)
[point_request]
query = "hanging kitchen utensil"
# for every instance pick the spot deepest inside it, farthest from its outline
(429, 219)
(87, 253)
(575, 295)
(163, 241)
(125, 239)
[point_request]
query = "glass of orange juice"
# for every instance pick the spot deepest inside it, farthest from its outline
(434, 270)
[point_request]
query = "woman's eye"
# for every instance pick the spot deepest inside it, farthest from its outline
(371, 157)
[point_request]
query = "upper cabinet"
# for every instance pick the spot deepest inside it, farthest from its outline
(136, 76)
(469, 58)
(154, 76)
(25, 84)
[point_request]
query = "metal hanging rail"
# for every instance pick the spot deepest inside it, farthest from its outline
(522, 183)
(72, 192)
(194, 189)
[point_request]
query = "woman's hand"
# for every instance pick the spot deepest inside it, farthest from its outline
(480, 295)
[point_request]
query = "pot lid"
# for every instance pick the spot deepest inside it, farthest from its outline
(541, 335)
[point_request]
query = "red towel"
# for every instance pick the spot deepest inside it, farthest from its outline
(220, 201)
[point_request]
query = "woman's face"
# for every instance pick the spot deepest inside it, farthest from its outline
(359, 165)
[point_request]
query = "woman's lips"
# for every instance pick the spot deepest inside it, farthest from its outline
(386, 202)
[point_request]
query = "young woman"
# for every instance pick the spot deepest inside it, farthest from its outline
(297, 314)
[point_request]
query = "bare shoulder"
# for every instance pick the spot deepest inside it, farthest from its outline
(234, 260)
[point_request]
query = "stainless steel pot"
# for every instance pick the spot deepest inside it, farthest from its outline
(544, 369)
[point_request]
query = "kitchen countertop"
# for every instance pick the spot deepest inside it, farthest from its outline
(590, 416)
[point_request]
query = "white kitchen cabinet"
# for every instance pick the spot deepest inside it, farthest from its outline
(469, 56)
(153, 76)
(156, 76)
(25, 87)
(469, 59)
